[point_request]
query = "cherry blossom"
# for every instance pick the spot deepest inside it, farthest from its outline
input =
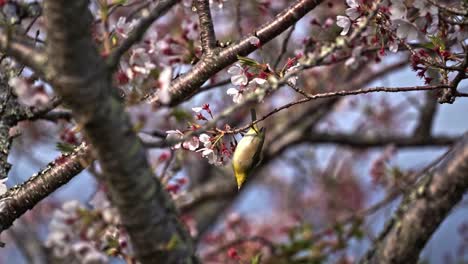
(356, 58)
(164, 83)
(192, 144)
(238, 75)
(425, 8)
(406, 30)
(123, 28)
(393, 46)
(353, 11)
(345, 23)
(220, 3)
(293, 79)
(3, 187)
(197, 109)
(237, 95)
(175, 135)
(398, 10)
(206, 140)
(211, 155)
(141, 62)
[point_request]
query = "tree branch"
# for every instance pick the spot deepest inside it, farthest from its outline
(362, 141)
(426, 116)
(23, 50)
(207, 33)
(422, 210)
(187, 84)
(310, 97)
(83, 81)
(19, 199)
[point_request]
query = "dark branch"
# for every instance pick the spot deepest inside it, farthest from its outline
(422, 210)
(23, 50)
(426, 116)
(83, 82)
(22, 198)
(207, 33)
(362, 141)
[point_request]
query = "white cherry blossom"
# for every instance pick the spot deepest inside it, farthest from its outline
(192, 144)
(353, 10)
(345, 23)
(3, 187)
(238, 76)
(237, 95)
(406, 30)
(175, 135)
(205, 139)
(197, 109)
(165, 79)
(123, 28)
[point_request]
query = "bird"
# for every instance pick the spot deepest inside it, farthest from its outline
(247, 154)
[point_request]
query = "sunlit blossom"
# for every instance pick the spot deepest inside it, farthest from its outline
(237, 95)
(353, 11)
(123, 28)
(345, 23)
(238, 76)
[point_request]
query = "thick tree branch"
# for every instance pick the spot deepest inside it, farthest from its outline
(139, 31)
(22, 198)
(82, 79)
(422, 210)
(23, 50)
(187, 84)
(207, 33)
(426, 116)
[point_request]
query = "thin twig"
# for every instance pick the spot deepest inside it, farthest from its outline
(339, 94)
(284, 46)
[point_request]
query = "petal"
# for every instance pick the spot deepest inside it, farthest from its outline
(232, 91)
(352, 3)
(235, 70)
(353, 13)
(240, 79)
(3, 188)
(259, 81)
(238, 98)
(393, 46)
(204, 138)
(197, 109)
(343, 22)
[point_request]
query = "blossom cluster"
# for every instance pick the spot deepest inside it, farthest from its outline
(143, 70)
(211, 144)
(88, 235)
(399, 24)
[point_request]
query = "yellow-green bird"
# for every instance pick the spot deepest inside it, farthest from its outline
(248, 151)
